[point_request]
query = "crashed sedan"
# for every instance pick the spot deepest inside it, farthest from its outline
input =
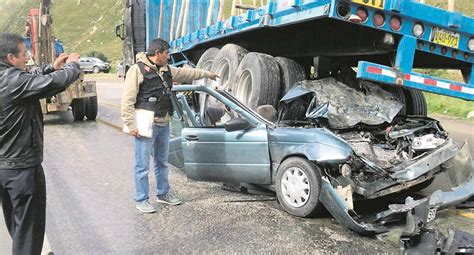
(328, 146)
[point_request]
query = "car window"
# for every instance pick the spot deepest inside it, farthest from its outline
(203, 110)
(213, 112)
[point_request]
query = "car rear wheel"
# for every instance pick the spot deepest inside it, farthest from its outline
(95, 69)
(298, 186)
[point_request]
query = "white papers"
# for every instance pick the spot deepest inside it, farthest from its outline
(144, 123)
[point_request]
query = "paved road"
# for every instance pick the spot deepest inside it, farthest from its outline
(88, 167)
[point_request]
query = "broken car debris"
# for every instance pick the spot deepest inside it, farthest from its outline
(333, 145)
(391, 153)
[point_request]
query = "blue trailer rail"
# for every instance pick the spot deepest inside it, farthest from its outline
(423, 36)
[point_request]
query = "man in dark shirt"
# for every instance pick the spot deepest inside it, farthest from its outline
(22, 183)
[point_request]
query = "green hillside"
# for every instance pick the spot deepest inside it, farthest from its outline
(88, 25)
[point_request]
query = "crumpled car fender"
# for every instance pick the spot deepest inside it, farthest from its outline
(316, 144)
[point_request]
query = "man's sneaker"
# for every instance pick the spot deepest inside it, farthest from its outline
(145, 207)
(168, 199)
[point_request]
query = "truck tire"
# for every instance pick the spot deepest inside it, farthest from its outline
(207, 59)
(91, 108)
(205, 63)
(78, 109)
(416, 102)
(298, 186)
(138, 25)
(225, 65)
(257, 80)
(399, 95)
(290, 73)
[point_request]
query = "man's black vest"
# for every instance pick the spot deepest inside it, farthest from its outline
(155, 93)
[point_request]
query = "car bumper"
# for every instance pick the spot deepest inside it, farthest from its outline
(459, 170)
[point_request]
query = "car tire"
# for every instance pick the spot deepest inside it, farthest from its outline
(416, 102)
(298, 186)
(225, 65)
(78, 109)
(257, 80)
(91, 108)
(95, 69)
(290, 73)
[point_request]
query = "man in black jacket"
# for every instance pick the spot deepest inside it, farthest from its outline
(22, 183)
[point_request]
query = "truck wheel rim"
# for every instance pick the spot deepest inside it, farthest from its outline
(206, 81)
(295, 187)
(223, 71)
(244, 87)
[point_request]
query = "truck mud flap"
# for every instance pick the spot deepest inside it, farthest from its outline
(340, 211)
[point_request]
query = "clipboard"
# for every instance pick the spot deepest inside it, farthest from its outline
(144, 122)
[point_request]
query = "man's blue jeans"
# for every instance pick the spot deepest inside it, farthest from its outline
(158, 147)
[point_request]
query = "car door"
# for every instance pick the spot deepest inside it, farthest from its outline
(86, 65)
(210, 153)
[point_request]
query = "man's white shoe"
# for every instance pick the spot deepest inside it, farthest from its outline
(145, 207)
(168, 199)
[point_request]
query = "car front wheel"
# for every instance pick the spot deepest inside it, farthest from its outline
(95, 69)
(298, 186)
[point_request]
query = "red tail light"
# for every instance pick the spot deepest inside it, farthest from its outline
(395, 23)
(378, 19)
(363, 15)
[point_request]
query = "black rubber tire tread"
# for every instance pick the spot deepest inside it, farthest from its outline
(139, 25)
(265, 75)
(296, 110)
(206, 57)
(78, 109)
(92, 107)
(399, 94)
(313, 206)
(233, 54)
(416, 102)
(290, 73)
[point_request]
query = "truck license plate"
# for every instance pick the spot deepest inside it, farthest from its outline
(445, 37)
(379, 4)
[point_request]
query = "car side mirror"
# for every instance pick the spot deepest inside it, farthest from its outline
(120, 31)
(237, 124)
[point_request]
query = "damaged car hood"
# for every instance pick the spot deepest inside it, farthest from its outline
(345, 106)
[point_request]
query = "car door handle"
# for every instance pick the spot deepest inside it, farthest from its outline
(191, 138)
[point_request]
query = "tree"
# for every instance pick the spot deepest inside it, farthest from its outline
(99, 55)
